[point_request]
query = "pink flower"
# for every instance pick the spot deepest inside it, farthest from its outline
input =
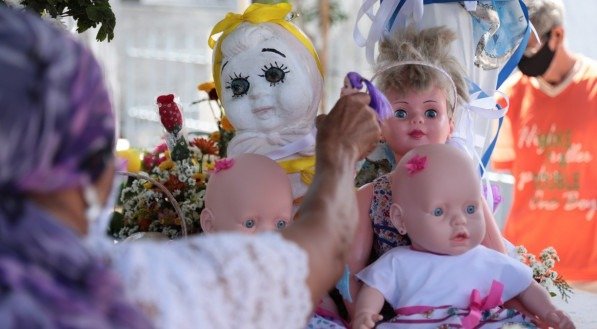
(416, 164)
(160, 148)
(223, 164)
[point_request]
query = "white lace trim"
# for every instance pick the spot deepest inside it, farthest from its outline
(218, 281)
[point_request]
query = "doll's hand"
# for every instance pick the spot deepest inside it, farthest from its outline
(366, 320)
(558, 319)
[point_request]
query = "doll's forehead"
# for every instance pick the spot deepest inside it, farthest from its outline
(261, 40)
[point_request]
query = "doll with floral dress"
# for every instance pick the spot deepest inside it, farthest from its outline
(424, 85)
(446, 278)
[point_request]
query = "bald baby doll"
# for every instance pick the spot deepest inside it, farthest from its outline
(249, 193)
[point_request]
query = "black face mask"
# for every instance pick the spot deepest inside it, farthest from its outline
(537, 64)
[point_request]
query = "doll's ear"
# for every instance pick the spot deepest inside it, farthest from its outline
(397, 218)
(207, 220)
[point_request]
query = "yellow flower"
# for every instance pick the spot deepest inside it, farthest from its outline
(210, 165)
(226, 125)
(148, 185)
(166, 165)
(215, 136)
(206, 86)
(210, 89)
(200, 177)
(133, 159)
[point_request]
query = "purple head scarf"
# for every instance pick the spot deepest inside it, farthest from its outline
(56, 131)
(56, 122)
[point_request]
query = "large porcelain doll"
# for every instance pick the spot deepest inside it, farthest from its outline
(446, 277)
(268, 76)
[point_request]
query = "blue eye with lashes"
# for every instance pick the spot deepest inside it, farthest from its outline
(431, 114)
(438, 212)
(400, 113)
(249, 223)
(471, 209)
(281, 224)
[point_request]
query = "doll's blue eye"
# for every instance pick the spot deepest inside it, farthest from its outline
(471, 209)
(239, 85)
(431, 114)
(438, 212)
(249, 223)
(281, 224)
(400, 114)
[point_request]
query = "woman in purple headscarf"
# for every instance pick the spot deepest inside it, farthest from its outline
(57, 269)
(56, 141)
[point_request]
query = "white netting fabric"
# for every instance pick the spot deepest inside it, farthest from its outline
(218, 281)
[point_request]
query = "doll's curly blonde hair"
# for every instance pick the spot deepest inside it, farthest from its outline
(430, 46)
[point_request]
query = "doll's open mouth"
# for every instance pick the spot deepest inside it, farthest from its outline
(416, 134)
(461, 236)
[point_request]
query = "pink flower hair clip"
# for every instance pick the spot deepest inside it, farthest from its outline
(223, 164)
(416, 164)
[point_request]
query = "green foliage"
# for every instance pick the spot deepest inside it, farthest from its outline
(86, 13)
(336, 15)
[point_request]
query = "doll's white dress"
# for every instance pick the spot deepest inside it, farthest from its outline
(428, 290)
(217, 281)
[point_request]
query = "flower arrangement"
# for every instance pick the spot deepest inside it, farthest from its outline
(177, 169)
(543, 271)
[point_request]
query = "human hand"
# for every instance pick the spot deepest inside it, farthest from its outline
(366, 320)
(558, 319)
(347, 88)
(350, 131)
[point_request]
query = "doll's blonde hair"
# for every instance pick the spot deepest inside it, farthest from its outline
(430, 46)
(256, 13)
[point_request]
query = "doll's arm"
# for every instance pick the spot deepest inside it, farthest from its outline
(361, 246)
(493, 238)
(537, 301)
(369, 303)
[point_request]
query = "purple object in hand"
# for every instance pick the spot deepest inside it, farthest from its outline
(379, 102)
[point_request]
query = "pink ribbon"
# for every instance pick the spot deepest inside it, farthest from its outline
(478, 305)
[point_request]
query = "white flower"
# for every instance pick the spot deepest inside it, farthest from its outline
(14, 3)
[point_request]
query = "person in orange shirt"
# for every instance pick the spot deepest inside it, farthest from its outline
(548, 143)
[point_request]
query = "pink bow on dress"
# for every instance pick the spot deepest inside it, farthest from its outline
(478, 305)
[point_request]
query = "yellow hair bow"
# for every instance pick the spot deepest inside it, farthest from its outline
(304, 165)
(256, 13)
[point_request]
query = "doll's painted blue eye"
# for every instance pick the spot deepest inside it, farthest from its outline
(281, 224)
(239, 85)
(249, 223)
(431, 114)
(400, 113)
(438, 211)
(471, 209)
(275, 73)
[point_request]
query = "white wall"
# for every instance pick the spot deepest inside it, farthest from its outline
(581, 26)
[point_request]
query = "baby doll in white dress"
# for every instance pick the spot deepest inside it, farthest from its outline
(446, 277)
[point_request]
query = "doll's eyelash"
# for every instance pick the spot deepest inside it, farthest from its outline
(239, 84)
(274, 73)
